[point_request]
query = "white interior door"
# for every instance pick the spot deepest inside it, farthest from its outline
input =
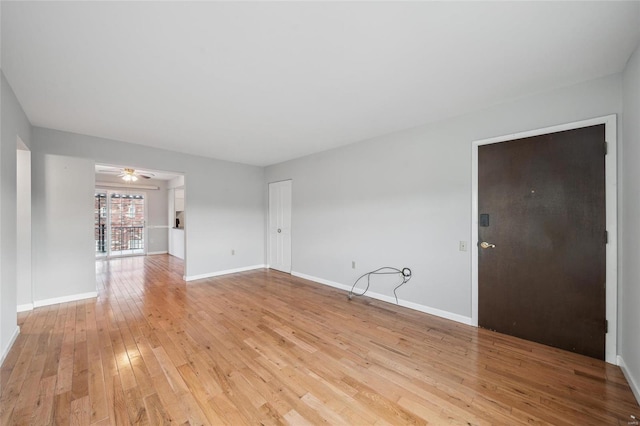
(280, 226)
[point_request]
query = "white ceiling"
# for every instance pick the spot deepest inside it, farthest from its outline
(263, 82)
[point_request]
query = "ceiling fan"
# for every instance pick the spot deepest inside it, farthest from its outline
(129, 174)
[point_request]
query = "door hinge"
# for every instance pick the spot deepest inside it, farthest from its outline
(606, 148)
(606, 326)
(606, 237)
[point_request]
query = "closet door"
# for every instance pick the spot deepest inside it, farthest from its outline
(280, 226)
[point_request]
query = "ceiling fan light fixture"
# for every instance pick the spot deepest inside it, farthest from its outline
(129, 175)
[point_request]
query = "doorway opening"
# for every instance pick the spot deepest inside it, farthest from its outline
(134, 214)
(24, 282)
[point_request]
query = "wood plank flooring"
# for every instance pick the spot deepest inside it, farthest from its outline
(263, 347)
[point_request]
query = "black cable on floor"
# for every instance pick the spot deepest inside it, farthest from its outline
(405, 273)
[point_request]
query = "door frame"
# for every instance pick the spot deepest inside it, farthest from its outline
(611, 177)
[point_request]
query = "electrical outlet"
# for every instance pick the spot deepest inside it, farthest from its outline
(233, 252)
(463, 246)
(353, 264)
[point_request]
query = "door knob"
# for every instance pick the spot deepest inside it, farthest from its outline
(486, 245)
(279, 230)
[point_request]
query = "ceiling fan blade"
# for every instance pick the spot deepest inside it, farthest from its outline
(124, 172)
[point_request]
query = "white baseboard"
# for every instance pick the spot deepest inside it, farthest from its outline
(225, 272)
(633, 382)
(25, 307)
(151, 253)
(416, 306)
(64, 299)
(322, 281)
(6, 350)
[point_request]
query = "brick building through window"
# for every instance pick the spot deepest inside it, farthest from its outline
(119, 223)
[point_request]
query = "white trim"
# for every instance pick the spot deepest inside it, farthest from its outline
(611, 178)
(322, 281)
(15, 335)
(157, 226)
(225, 272)
(64, 299)
(151, 253)
(633, 383)
(415, 306)
(25, 307)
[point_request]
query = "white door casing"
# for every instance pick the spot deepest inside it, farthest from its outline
(280, 226)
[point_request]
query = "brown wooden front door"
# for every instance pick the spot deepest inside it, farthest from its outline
(542, 204)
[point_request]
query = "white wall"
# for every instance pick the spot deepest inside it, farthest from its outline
(177, 182)
(176, 243)
(63, 236)
(224, 201)
(405, 199)
(23, 229)
(629, 294)
(14, 125)
(156, 205)
(179, 200)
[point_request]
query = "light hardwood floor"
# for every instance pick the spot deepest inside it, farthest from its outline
(263, 347)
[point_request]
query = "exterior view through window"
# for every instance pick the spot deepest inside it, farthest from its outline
(119, 223)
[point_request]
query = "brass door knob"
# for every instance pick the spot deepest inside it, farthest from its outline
(486, 245)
